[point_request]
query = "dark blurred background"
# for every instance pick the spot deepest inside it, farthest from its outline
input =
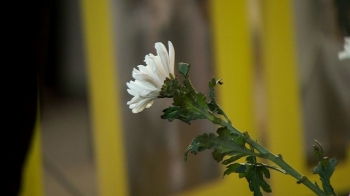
(154, 147)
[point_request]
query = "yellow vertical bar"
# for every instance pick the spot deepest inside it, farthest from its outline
(284, 115)
(32, 180)
(233, 61)
(234, 64)
(106, 118)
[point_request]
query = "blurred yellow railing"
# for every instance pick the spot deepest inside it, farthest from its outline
(105, 112)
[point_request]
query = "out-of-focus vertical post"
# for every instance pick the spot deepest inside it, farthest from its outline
(33, 175)
(105, 115)
(283, 99)
(233, 62)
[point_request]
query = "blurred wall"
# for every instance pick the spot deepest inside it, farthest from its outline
(324, 80)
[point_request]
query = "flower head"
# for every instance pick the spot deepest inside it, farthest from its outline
(149, 79)
(346, 53)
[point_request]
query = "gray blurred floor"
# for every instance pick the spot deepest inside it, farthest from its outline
(67, 148)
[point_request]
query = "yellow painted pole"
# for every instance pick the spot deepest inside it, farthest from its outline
(234, 61)
(283, 99)
(234, 64)
(105, 115)
(32, 182)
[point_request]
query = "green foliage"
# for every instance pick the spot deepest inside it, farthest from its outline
(187, 107)
(229, 144)
(214, 107)
(253, 172)
(188, 104)
(233, 158)
(170, 85)
(324, 169)
(222, 145)
(184, 69)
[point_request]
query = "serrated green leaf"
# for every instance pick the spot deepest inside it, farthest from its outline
(212, 83)
(239, 139)
(265, 171)
(324, 168)
(218, 156)
(233, 158)
(200, 143)
(256, 180)
(187, 87)
(318, 150)
(215, 108)
(235, 168)
(327, 170)
(325, 173)
(170, 113)
(254, 174)
(223, 132)
(212, 104)
(223, 145)
(188, 107)
(184, 69)
(192, 106)
(274, 168)
(251, 159)
(242, 175)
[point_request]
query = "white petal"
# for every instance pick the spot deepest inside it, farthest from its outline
(144, 77)
(171, 57)
(150, 78)
(149, 94)
(134, 100)
(146, 74)
(163, 55)
(157, 63)
(149, 104)
(132, 92)
(141, 105)
(138, 85)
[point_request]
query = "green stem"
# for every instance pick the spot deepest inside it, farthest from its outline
(278, 160)
(265, 153)
(223, 113)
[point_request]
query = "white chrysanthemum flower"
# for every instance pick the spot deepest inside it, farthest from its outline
(346, 53)
(149, 79)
